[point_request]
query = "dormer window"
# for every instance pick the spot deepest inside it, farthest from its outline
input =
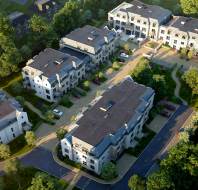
(183, 37)
(176, 35)
(118, 15)
(132, 18)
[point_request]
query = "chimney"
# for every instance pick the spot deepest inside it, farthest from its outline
(105, 39)
(74, 64)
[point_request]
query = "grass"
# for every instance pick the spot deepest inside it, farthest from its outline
(142, 143)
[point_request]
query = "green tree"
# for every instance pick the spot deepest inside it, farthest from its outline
(5, 26)
(42, 181)
(136, 183)
(101, 13)
(190, 54)
(87, 16)
(21, 100)
(41, 33)
(60, 133)
(12, 166)
(30, 138)
(49, 116)
(109, 171)
(189, 7)
(159, 181)
(67, 18)
(4, 151)
(26, 52)
(191, 79)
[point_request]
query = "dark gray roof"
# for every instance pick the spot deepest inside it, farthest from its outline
(149, 11)
(185, 24)
(122, 103)
(91, 35)
(17, 18)
(52, 62)
(6, 108)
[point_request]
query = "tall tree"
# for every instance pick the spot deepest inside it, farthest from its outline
(30, 138)
(189, 7)
(4, 151)
(136, 183)
(41, 33)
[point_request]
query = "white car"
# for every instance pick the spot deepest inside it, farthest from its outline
(124, 55)
(57, 112)
(148, 55)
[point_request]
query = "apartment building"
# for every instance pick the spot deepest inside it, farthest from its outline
(13, 120)
(98, 43)
(109, 125)
(180, 32)
(139, 19)
(52, 73)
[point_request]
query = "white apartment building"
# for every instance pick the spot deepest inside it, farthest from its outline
(139, 19)
(180, 32)
(98, 43)
(52, 73)
(13, 121)
(109, 125)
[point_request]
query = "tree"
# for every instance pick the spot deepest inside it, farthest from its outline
(41, 33)
(87, 16)
(30, 138)
(49, 115)
(189, 7)
(101, 13)
(12, 166)
(60, 133)
(4, 151)
(136, 183)
(21, 100)
(109, 171)
(159, 181)
(5, 26)
(42, 181)
(9, 56)
(191, 79)
(142, 72)
(67, 18)
(26, 52)
(190, 54)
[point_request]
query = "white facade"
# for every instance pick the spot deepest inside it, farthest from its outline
(134, 23)
(52, 90)
(13, 123)
(81, 152)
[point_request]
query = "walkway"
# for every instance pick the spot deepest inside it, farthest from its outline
(178, 84)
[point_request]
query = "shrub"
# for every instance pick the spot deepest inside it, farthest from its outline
(109, 171)
(60, 133)
(4, 151)
(86, 85)
(30, 138)
(66, 102)
(116, 66)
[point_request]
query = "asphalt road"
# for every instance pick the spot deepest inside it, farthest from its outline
(43, 159)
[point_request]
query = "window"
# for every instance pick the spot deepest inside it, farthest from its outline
(92, 161)
(85, 163)
(118, 15)
(137, 28)
(117, 22)
(183, 37)
(47, 91)
(193, 38)
(144, 23)
(176, 35)
(144, 29)
(169, 32)
(154, 24)
(92, 167)
(168, 37)
(12, 129)
(182, 43)
(66, 150)
(138, 21)
(132, 18)
(162, 31)
(124, 17)
(13, 135)
(48, 97)
(175, 41)
(84, 157)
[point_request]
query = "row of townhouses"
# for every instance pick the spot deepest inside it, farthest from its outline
(53, 72)
(109, 125)
(13, 120)
(155, 22)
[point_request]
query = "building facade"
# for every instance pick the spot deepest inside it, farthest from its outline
(154, 22)
(139, 19)
(180, 32)
(98, 43)
(13, 121)
(52, 73)
(109, 125)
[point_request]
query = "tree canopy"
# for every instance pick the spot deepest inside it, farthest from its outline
(189, 7)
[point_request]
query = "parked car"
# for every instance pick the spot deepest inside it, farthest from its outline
(124, 55)
(57, 112)
(170, 107)
(165, 113)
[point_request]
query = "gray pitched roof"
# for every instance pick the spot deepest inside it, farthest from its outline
(148, 11)
(185, 24)
(121, 103)
(91, 36)
(52, 62)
